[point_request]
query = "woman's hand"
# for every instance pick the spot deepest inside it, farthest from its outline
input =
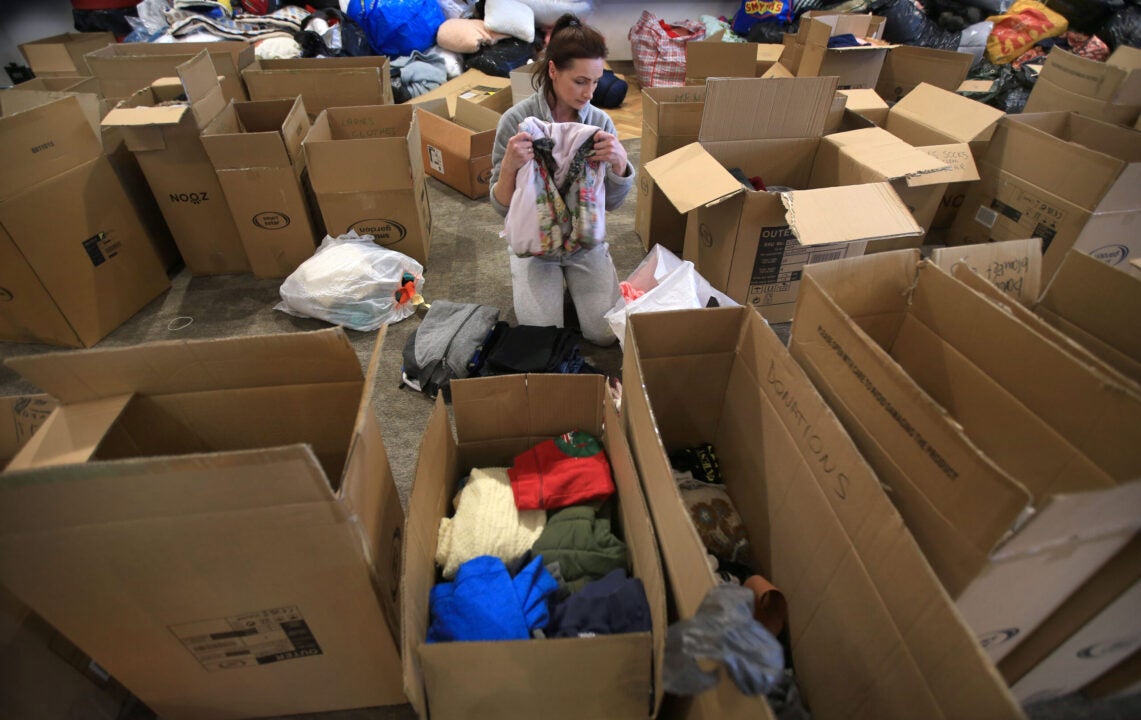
(607, 149)
(519, 151)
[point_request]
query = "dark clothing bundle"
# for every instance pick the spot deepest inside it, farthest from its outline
(442, 348)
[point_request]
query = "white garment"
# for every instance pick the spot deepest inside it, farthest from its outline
(532, 226)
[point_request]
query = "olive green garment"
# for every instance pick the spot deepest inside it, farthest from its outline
(579, 539)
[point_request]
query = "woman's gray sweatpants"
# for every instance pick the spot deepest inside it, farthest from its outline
(537, 287)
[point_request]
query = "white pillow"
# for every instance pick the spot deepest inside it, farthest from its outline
(548, 11)
(510, 17)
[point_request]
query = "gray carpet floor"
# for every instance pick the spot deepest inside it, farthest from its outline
(468, 263)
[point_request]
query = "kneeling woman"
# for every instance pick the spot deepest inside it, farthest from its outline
(572, 67)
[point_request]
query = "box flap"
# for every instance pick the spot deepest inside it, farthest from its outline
(18, 100)
(43, 142)
(854, 212)
(1127, 59)
(476, 117)
(71, 434)
(490, 408)
(1065, 519)
(180, 366)
(876, 154)
(758, 108)
(960, 165)
(714, 58)
(142, 116)
(201, 82)
(960, 119)
(778, 70)
(1013, 266)
(690, 178)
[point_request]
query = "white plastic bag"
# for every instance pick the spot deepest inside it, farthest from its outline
(354, 282)
(668, 283)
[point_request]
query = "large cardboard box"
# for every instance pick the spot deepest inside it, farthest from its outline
(1098, 627)
(63, 55)
(1109, 91)
(321, 82)
(807, 53)
(39, 91)
(1013, 462)
(457, 144)
(866, 103)
(255, 148)
(753, 245)
(671, 118)
(872, 632)
(715, 58)
(908, 66)
(214, 522)
(611, 676)
(124, 69)
(67, 278)
(1091, 206)
(367, 172)
(522, 80)
(489, 91)
(164, 133)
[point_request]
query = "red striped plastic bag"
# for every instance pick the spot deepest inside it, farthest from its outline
(658, 53)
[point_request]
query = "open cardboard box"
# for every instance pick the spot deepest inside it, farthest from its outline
(489, 91)
(214, 522)
(66, 278)
(613, 676)
(457, 144)
(713, 57)
(1109, 91)
(908, 66)
(321, 82)
(255, 148)
(62, 55)
(125, 68)
(873, 633)
(1013, 462)
(1092, 206)
(671, 118)
(807, 53)
(367, 171)
(162, 126)
(753, 245)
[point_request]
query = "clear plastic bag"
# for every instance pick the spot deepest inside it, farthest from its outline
(354, 282)
(667, 283)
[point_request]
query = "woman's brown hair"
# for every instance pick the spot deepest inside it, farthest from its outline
(570, 41)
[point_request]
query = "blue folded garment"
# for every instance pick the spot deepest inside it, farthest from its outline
(486, 603)
(845, 40)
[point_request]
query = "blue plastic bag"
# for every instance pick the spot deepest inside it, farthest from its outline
(397, 27)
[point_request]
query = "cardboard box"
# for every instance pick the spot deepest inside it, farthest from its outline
(1017, 483)
(255, 148)
(62, 55)
(714, 58)
(457, 144)
(67, 278)
(671, 118)
(1090, 206)
(134, 183)
(1109, 91)
(218, 522)
(753, 245)
(604, 676)
(125, 68)
(872, 632)
(807, 53)
(322, 82)
(929, 115)
(908, 66)
(20, 417)
(367, 172)
(1097, 628)
(165, 138)
(474, 86)
(866, 103)
(521, 82)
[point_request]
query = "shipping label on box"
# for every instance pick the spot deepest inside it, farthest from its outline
(780, 262)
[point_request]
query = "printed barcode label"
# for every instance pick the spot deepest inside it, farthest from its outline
(986, 216)
(435, 159)
(825, 256)
(248, 640)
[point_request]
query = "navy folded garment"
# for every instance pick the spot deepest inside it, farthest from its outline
(615, 604)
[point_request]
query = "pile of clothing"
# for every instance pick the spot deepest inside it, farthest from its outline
(531, 551)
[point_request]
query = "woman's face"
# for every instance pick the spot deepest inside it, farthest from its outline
(575, 85)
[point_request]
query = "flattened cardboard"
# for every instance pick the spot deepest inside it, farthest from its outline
(322, 82)
(1091, 207)
(819, 525)
(1108, 91)
(367, 171)
(906, 66)
(456, 145)
(969, 440)
(63, 55)
(239, 494)
(615, 675)
(167, 144)
(255, 148)
(125, 68)
(67, 278)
